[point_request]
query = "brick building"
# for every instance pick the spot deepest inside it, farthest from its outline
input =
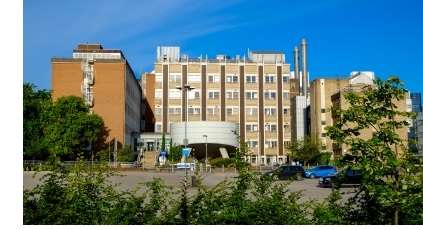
(104, 78)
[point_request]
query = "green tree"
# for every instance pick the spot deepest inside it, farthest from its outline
(126, 154)
(35, 104)
(306, 149)
(175, 152)
(390, 183)
(71, 127)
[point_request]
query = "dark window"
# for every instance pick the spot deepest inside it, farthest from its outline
(323, 110)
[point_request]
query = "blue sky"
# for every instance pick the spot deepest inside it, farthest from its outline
(342, 35)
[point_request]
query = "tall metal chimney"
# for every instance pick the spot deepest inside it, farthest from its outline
(304, 56)
(297, 68)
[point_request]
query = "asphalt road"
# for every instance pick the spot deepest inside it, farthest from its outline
(132, 179)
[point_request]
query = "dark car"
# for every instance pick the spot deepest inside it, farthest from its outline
(346, 176)
(286, 172)
(319, 171)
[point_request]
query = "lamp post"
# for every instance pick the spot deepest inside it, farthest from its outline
(186, 88)
(206, 149)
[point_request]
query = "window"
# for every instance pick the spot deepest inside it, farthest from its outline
(194, 111)
(323, 122)
(159, 77)
(285, 95)
(197, 94)
(251, 111)
(158, 110)
(323, 111)
(231, 94)
(286, 143)
(174, 110)
(323, 134)
(232, 78)
(270, 95)
(286, 128)
(285, 79)
(286, 111)
(213, 78)
(174, 94)
(270, 127)
(212, 110)
(251, 94)
(158, 93)
(271, 144)
(252, 143)
(292, 84)
(270, 79)
(251, 79)
(251, 127)
(213, 94)
(232, 111)
(175, 77)
(270, 111)
(193, 77)
(158, 127)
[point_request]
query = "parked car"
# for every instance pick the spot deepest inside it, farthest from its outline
(286, 172)
(319, 171)
(346, 176)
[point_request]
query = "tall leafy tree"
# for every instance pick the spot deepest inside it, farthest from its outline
(306, 149)
(35, 104)
(391, 185)
(71, 127)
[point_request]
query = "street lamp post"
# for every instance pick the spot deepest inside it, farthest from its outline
(186, 88)
(206, 149)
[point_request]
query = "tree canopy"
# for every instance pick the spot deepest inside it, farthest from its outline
(71, 127)
(35, 103)
(391, 184)
(306, 149)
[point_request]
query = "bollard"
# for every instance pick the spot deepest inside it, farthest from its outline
(201, 168)
(223, 168)
(193, 181)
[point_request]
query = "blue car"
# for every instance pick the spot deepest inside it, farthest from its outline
(319, 171)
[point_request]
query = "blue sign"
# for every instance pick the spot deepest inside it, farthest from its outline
(185, 152)
(163, 153)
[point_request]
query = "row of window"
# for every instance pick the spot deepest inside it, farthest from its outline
(215, 78)
(252, 111)
(214, 94)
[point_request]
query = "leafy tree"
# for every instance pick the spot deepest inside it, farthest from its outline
(391, 183)
(126, 154)
(175, 152)
(35, 104)
(71, 127)
(306, 149)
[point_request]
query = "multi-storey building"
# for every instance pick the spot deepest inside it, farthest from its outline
(106, 81)
(210, 97)
(321, 100)
(414, 104)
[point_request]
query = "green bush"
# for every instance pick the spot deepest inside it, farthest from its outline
(227, 162)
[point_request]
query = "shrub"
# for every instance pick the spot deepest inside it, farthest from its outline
(227, 162)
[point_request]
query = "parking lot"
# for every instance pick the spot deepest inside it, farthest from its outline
(131, 179)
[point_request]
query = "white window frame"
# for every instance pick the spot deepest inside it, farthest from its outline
(251, 94)
(251, 79)
(232, 94)
(174, 94)
(232, 110)
(270, 111)
(175, 77)
(194, 110)
(159, 77)
(215, 94)
(270, 79)
(194, 78)
(158, 93)
(270, 94)
(251, 111)
(215, 78)
(175, 110)
(213, 110)
(232, 78)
